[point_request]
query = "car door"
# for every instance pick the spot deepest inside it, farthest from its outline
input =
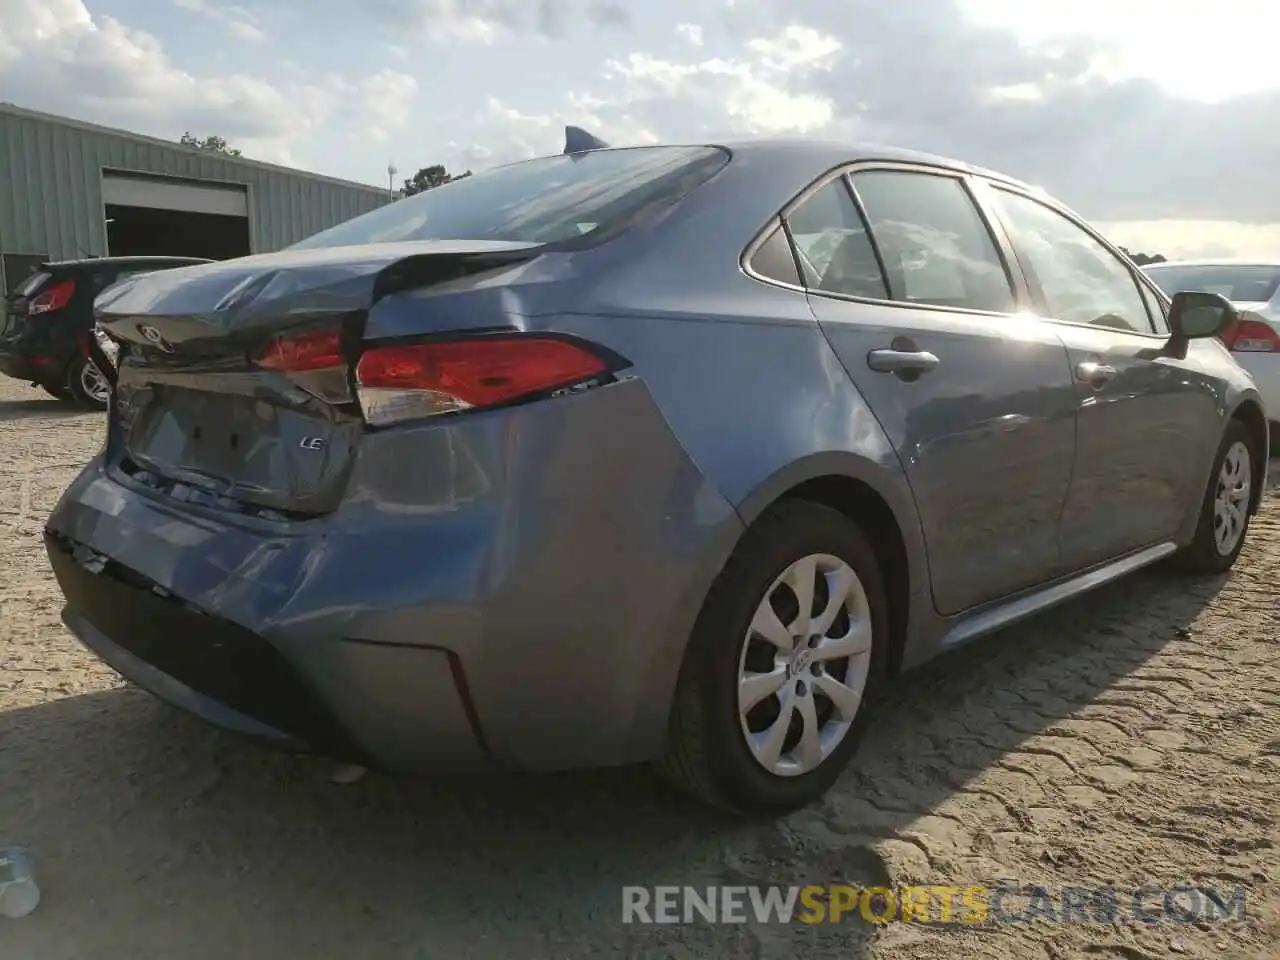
(1142, 417)
(908, 282)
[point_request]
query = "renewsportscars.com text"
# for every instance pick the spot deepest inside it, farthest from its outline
(930, 904)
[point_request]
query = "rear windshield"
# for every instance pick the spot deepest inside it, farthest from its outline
(547, 200)
(1242, 283)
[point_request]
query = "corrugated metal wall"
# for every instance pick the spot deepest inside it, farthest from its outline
(51, 187)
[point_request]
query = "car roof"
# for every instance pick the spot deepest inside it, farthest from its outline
(826, 154)
(122, 262)
(834, 152)
(1221, 262)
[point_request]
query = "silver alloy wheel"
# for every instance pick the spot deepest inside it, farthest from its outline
(802, 671)
(93, 384)
(1231, 498)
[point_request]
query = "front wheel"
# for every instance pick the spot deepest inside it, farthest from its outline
(86, 383)
(1224, 511)
(770, 703)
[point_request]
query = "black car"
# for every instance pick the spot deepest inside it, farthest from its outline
(48, 325)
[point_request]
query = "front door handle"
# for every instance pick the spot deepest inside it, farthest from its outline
(1094, 373)
(902, 361)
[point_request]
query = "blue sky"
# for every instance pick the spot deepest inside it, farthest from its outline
(1156, 119)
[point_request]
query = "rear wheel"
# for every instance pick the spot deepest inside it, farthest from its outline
(770, 703)
(86, 383)
(61, 392)
(1224, 512)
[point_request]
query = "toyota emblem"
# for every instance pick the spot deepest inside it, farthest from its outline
(153, 336)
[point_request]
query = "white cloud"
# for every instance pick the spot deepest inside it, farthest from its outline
(241, 23)
(1175, 42)
(482, 21)
(644, 98)
(511, 115)
(796, 47)
(755, 92)
(464, 28)
(54, 56)
(1016, 91)
(386, 99)
(1051, 109)
(690, 32)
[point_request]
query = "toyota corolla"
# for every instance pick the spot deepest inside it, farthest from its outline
(664, 454)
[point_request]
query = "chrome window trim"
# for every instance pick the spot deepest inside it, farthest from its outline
(847, 171)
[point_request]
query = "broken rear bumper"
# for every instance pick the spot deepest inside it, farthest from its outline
(513, 589)
(230, 677)
(211, 667)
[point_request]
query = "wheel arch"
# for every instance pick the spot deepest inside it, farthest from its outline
(879, 500)
(1249, 412)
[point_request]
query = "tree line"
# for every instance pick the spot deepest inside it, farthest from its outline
(1142, 259)
(433, 176)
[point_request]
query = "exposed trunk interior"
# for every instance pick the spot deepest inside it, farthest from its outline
(290, 454)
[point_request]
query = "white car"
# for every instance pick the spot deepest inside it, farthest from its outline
(1254, 287)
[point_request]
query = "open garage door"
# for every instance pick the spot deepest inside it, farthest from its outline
(159, 216)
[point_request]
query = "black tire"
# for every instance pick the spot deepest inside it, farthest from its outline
(1202, 556)
(75, 384)
(706, 753)
(58, 392)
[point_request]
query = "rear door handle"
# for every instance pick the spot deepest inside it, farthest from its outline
(1094, 373)
(902, 361)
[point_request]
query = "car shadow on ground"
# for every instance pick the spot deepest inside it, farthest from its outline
(44, 407)
(155, 836)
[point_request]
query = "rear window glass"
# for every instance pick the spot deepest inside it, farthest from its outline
(110, 280)
(1242, 283)
(30, 285)
(547, 200)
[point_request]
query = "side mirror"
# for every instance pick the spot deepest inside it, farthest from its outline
(1194, 315)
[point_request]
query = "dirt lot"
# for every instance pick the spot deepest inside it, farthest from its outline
(1129, 739)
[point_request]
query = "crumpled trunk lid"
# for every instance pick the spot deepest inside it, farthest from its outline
(196, 415)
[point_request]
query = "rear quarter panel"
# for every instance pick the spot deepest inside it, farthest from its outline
(740, 370)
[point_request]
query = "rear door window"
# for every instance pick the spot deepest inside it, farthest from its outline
(832, 245)
(934, 243)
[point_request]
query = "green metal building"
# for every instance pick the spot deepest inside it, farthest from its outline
(70, 190)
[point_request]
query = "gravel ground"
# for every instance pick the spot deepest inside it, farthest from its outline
(1132, 738)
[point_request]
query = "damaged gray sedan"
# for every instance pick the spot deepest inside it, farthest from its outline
(666, 454)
